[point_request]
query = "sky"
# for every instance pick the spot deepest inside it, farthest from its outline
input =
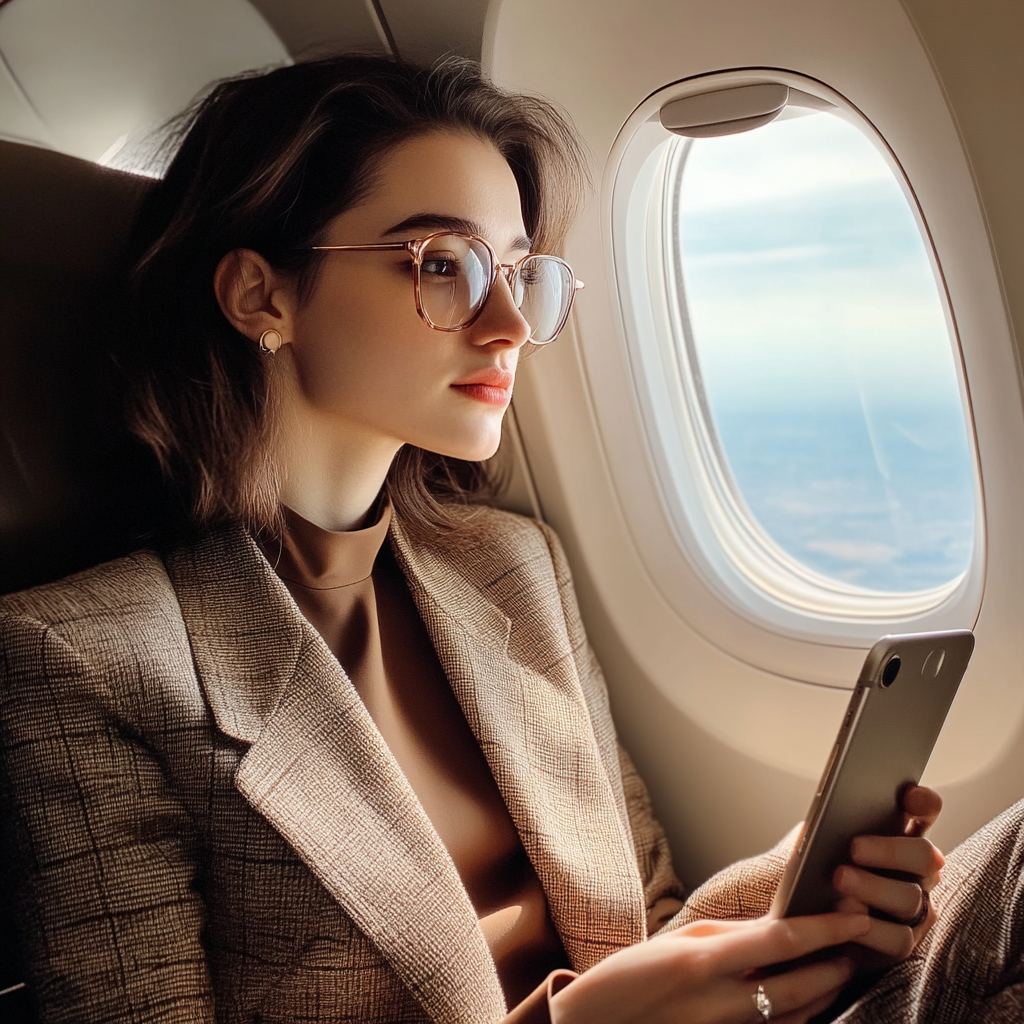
(805, 271)
(825, 354)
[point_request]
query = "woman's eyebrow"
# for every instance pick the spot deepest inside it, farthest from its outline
(443, 222)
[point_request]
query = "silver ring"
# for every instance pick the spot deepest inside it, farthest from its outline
(762, 1003)
(922, 913)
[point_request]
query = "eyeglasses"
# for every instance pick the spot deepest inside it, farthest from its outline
(453, 275)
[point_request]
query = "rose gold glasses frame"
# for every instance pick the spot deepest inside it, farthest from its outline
(416, 248)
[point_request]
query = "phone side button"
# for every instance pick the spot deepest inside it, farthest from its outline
(854, 706)
(828, 771)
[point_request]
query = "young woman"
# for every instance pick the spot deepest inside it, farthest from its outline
(340, 751)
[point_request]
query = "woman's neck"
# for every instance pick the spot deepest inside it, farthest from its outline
(332, 471)
(347, 510)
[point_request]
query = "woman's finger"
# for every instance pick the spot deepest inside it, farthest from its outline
(895, 941)
(773, 941)
(899, 899)
(848, 905)
(913, 856)
(702, 929)
(806, 1013)
(922, 806)
(805, 987)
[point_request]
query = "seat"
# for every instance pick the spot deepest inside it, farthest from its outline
(74, 486)
(71, 480)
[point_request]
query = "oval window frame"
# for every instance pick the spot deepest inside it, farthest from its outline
(757, 624)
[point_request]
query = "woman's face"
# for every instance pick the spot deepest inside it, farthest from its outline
(366, 365)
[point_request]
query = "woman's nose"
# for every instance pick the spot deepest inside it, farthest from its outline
(501, 319)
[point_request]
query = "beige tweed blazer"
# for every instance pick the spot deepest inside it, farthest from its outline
(208, 825)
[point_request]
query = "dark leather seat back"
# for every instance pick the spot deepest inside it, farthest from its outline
(71, 481)
(73, 485)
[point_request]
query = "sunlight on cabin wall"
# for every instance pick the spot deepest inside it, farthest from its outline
(96, 78)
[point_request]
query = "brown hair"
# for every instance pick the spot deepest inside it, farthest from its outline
(265, 162)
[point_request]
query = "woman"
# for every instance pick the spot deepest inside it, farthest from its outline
(340, 751)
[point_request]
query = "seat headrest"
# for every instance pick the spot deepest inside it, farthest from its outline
(71, 480)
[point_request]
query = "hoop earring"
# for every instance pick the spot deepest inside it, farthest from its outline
(270, 342)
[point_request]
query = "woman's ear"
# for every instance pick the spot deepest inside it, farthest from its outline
(254, 297)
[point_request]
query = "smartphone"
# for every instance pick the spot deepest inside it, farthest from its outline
(892, 722)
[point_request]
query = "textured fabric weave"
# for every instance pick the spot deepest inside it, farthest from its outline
(208, 826)
(351, 591)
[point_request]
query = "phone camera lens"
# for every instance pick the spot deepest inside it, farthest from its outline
(891, 670)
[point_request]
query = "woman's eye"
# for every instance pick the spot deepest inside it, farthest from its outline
(440, 267)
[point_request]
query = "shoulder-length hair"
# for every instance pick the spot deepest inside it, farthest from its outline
(265, 162)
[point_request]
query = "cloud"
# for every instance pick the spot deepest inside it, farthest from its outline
(866, 553)
(785, 158)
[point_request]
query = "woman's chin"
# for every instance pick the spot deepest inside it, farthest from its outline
(471, 449)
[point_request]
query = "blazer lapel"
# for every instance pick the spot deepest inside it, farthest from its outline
(319, 771)
(520, 692)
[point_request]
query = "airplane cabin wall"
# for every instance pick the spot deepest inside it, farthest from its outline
(975, 49)
(974, 46)
(722, 796)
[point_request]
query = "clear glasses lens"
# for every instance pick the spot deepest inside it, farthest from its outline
(455, 278)
(543, 290)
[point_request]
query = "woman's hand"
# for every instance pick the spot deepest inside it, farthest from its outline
(703, 973)
(917, 864)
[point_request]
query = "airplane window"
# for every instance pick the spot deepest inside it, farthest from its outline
(811, 336)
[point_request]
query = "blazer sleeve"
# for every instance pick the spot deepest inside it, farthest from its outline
(741, 891)
(100, 848)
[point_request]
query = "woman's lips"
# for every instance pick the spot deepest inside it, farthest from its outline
(492, 386)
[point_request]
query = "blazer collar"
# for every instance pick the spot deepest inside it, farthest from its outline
(319, 771)
(515, 676)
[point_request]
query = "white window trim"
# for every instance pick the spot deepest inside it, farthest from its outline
(772, 591)
(583, 431)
